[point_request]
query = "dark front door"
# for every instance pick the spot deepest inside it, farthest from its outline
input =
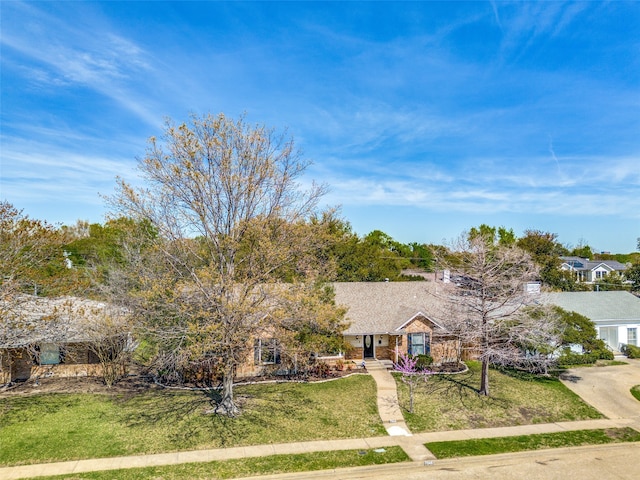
(368, 346)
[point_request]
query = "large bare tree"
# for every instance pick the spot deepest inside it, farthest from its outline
(232, 223)
(486, 297)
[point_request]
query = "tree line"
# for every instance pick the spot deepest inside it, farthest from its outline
(222, 245)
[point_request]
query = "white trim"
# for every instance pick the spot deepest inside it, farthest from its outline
(414, 317)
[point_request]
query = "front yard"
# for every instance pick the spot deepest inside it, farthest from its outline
(451, 402)
(55, 427)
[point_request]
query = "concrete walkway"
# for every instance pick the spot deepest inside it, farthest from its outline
(390, 413)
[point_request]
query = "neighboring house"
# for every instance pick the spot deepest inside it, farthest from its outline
(42, 337)
(616, 314)
(392, 318)
(585, 270)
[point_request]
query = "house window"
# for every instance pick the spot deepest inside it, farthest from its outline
(50, 354)
(419, 344)
(632, 336)
(266, 351)
(600, 274)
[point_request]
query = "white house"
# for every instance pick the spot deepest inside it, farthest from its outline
(616, 314)
(589, 271)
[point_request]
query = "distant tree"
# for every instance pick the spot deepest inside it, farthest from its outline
(545, 250)
(31, 254)
(633, 274)
(613, 281)
(231, 220)
(485, 301)
(373, 258)
(583, 252)
(422, 256)
(500, 234)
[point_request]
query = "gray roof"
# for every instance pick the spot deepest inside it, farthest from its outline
(28, 319)
(591, 264)
(616, 306)
(384, 307)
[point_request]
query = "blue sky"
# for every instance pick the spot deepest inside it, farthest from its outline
(424, 118)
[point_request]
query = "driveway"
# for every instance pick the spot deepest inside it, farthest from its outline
(607, 388)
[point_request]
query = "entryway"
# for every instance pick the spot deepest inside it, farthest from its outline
(368, 346)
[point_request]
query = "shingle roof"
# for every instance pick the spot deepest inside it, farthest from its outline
(591, 264)
(384, 307)
(29, 319)
(616, 306)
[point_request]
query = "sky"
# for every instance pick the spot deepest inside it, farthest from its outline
(423, 118)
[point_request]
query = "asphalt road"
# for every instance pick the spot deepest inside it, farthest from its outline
(608, 462)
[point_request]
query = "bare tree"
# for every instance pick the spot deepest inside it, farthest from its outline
(486, 297)
(232, 222)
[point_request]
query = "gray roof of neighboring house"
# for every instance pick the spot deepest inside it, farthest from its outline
(591, 264)
(615, 306)
(384, 307)
(28, 319)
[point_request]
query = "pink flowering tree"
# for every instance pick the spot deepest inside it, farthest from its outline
(412, 375)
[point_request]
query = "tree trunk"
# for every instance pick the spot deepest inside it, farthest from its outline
(227, 406)
(484, 378)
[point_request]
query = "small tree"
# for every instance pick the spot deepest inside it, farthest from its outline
(109, 339)
(412, 375)
(488, 294)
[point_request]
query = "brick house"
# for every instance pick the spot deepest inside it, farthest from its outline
(391, 318)
(45, 337)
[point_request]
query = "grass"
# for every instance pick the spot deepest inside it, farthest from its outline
(451, 402)
(57, 427)
(492, 446)
(245, 467)
(635, 391)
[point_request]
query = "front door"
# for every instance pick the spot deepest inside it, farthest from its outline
(610, 337)
(368, 346)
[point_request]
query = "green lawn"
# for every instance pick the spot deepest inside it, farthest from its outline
(492, 446)
(55, 427)
(451, 402)
(635, 391)
(245, 467)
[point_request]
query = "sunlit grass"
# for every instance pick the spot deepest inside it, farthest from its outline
(451, 402)
(244, 467)
(492, 446)
(54, 427)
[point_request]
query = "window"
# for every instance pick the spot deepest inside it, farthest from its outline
(50, 354)
(265, 351)
(632, 336)
(419, 344)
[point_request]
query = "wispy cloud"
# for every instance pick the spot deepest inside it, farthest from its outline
(65, 55)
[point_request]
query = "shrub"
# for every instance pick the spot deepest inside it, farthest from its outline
(423, 361)
(604, 354)
(321, 369)
(571, 358)
(631, 351)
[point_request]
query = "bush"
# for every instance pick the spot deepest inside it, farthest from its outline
(423, 361)
(631, 351)
(321, 369)
(571, 358)
(604, 354)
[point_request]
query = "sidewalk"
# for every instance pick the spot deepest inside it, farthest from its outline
(390, 413)
(408, 443)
